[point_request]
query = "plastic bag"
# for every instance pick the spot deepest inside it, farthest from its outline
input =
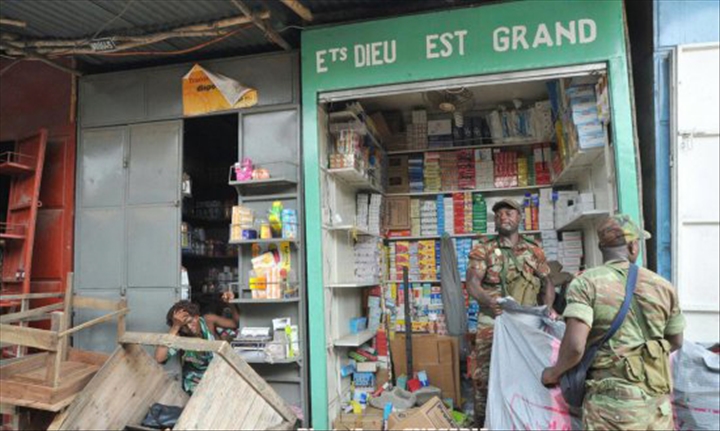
(525, 342)
(696, 396)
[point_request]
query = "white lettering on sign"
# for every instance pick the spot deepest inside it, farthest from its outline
(375, 54)
(447, 46)
(582, 31)
(336, 55)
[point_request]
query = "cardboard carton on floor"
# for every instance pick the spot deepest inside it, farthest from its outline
(432, 415)
(438, 355)
(371, 419)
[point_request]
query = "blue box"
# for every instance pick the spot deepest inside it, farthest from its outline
(364, 380)
(358, 324)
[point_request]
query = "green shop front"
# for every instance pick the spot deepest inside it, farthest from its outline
(413, 127)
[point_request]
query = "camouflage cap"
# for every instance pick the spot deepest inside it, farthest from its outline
(507, 203)
(619, 230)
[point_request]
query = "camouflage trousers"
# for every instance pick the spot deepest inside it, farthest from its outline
(481, 374)
(614, 404)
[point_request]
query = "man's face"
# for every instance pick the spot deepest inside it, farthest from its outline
(507, 220)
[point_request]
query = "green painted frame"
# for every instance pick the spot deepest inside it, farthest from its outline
(484, 50)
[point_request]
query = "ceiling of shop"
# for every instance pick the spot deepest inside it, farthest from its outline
(25, 25)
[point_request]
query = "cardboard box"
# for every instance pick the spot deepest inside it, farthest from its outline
(435, 354)
(398, 211)
(371, 419)
(432, 415)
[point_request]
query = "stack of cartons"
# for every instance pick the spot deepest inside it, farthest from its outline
(428, 217)
(414, 254)
(449, 214)
(449, 170)
(463, 246)
(542, 157)
(362, 203)
(440, 201)
(479, 213)
(484, 168)
(439, 134)
(417, 131)
(428, 260)
(564, 211)
(415, 217)
(398, 176)
(368, 259)
(550, 245)
(402, 259)
(546, 212)
(570, 251)
(415, 171)
(466, 169)
(582, 106)
(375, 213)
(505, 169)
(523, 175)
(431, 172)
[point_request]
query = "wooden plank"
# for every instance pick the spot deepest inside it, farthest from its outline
(95, 303)
(30, 296)
(23, 315)
(300, 9)
(94, 358)
(254, 380)
(130, 376)
(93, 322)
(55, 407)
(54, 360)
(220, 382)
(68, 313)
(59, 419)
(23, 365)
(181, 343)
(121, 321)
(29, 337)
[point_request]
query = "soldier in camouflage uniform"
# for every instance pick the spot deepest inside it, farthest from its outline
(509, 265)
(629, 381)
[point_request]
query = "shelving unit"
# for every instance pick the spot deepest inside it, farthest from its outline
(484, 190)
(271, 139)
(574, 167)
(353, 178)
(506, 144)
(579, 222)
(460, 235)
(351, 285)
(354, 340)
(350, 229)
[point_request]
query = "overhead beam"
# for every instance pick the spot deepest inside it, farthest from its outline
(13, 49)
(299, 9)
(269, 32)
(13, 22)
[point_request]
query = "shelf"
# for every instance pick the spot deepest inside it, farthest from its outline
(349, 229)
(202, 257)
(505, 144)
(286, 380)
(10, 164)
(279, 362)
(577, 165)
(354, 340)
(240, 186)
(488, 190)
(263, 241)
(265, 301)
(461, 235)
(193, 219)
(353, 178)
(348, 116)
(351, 285)
(580, 221)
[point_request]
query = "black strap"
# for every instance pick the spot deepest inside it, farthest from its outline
(629, 292)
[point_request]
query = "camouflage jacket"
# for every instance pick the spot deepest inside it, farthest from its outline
(595, 297)
(524, 266)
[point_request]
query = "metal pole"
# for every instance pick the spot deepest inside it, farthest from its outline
(408, 325)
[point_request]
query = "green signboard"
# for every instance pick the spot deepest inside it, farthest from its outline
(504, 37)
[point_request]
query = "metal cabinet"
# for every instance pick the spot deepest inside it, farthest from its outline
(128, 220)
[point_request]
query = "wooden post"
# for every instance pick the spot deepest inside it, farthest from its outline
(121, 320)
(67, 315)
(24, 306)
(54, 359)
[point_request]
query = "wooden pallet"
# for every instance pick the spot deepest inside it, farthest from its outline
(231, 394)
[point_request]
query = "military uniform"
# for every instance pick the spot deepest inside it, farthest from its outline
(509, 271)
(629, 383)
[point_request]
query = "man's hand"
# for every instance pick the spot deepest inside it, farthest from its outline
(493, 305)
(549, 378)
(228, 296)
(180, 319)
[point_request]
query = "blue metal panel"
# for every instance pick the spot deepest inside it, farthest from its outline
(682, 22)
(663, 195)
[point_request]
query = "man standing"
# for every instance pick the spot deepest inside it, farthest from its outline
(509, 265)
(629, 382)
